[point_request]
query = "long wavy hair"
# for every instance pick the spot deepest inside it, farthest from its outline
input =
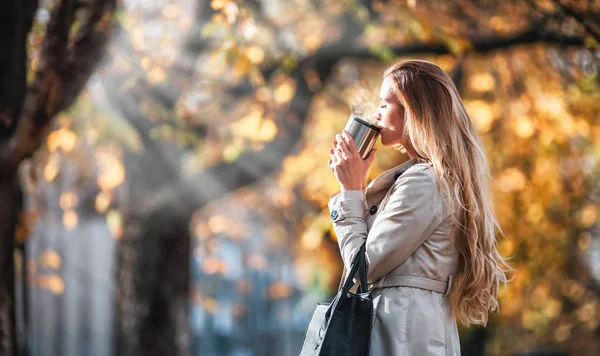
(440, 130)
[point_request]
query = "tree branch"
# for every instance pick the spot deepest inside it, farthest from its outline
(580, 18)
(226, 177)
(62, 72)
(478, 45)
(128, 103)
(534, 34)
(183, 69)
(16, 20)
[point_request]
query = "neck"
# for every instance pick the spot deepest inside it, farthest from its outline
(412, 153)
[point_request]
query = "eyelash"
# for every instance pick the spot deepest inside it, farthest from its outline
(382, 106)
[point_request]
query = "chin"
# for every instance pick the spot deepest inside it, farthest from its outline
(386, 141)
(383, 140)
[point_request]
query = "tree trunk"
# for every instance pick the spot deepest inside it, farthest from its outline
(56, 84)
(153, 280)
(16, 18)
(152, 272)
(10, 206)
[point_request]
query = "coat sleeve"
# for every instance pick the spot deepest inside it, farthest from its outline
(411, 213)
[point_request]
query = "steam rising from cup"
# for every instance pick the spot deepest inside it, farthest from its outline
(362, 106)
(362, 125)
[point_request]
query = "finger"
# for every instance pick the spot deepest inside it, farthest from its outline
(338, 155)
(370, 157)
(343, 146)
(349, 139)
(334, 158)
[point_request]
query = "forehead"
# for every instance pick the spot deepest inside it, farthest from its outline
(387, 89)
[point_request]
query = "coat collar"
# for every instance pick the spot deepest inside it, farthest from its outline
(386, 179)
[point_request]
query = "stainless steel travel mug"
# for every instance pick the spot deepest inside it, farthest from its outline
(364, 134)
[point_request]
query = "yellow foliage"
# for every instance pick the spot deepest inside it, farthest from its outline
(254, 127)
(482, 82)
(446, 62)
(458, 44)
(233, 151)
(52, 282)
(171, 11)
(284, 92)
(258, 262)
(26, 223)
(102, 202)
(313, 41)
(311, 239)
(218, 4)
(218, 223)
(210, 305)
(255, 54)
(263, 94)
(50, 259)
(552, 308)
(588, 215)
(523, 127)
(563, 332)
(217, 63)
(67, 200)
(551, 104)
(156, 75)
(535, 212)
(63, 138)
(114, 222)
(241, 66)
(507, 247)
(512, 179)
(112, 171)
(70, 219)
(584, 241)
(481, 113)
(279, 290)
(214, 265)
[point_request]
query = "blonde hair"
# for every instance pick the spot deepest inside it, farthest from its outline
(440, 130)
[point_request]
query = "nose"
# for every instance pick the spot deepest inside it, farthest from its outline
(377, 115)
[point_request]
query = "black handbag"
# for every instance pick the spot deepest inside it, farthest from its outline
(343, 327)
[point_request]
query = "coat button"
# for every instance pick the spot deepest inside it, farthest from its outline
(334, 215)
(373, 210)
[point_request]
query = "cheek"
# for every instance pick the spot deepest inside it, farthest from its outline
(394, 119)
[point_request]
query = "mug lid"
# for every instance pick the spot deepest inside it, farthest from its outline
(365, 123)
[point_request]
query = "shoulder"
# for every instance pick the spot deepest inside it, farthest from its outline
(416, 191)
(421, 174)
(421, 183)
(417, 185)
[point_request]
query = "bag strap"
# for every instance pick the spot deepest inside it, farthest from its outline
(342, 278)
(358, 265)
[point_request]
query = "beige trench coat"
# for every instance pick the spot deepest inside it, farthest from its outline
(411, 257)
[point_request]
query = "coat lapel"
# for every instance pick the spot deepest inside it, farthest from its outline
(383, 182)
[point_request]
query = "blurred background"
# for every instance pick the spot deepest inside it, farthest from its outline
(164, 166)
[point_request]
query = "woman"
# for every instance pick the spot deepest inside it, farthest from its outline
(428, 223)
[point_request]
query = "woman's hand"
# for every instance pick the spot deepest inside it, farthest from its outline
(349, 169)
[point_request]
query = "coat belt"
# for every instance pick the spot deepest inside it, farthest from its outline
(415, 282)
